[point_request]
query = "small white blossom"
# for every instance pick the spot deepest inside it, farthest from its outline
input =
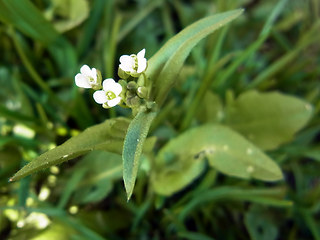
(134, 65)
(109, 96)
(88, 78)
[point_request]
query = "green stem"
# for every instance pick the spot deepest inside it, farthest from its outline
(311, 223)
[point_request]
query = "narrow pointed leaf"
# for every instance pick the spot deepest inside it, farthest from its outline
(133, 143)
(108, 136)
(167, 62)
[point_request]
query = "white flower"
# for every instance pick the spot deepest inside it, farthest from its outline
(109, 96)
(134, 65)
(88, 78)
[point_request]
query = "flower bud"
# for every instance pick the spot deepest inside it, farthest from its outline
(122, 74)
(142, 92)
(133, 101)
(132, 86)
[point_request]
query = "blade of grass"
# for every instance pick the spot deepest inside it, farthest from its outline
(262, 196)
(311, 223)
(101, 176)
(111, 45)
(50, 211)
(79, 226)
(16, 116)
(44, 103)
(24, 190)
(24, 16)
(273, 17)
(126, 29)
(28, 19)
(91, 26)
(167, 20)
(204, 87)
(33, 73)
(310, 37)
(79, 110)
(21, 95)
(42, 115)
(71, 185)
(225, 80)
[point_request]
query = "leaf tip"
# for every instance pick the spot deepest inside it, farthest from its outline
(128, 197)
(241, 10)
(15, 177)
(278, 176)
(129, 191)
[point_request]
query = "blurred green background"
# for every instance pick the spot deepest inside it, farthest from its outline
(273, 45)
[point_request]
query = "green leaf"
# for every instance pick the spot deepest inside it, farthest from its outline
(268, 119)
(180, 161)
(132, 148)
(164, 66)
(313, 153)
(211, 109)
(173, 173)
(24, 16)
(108, 136)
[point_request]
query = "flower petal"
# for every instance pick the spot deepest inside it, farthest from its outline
(117, 89)
(108, 84)
(100, 96)
(142, 65)
(82, 81)
(85, 70)
(93, 74)
(124, 58)
(113, 102)
(141, 53)
(127, 63)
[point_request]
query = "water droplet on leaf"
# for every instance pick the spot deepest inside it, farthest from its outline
(250, 169)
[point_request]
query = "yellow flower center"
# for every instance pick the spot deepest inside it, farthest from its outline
(110, 95)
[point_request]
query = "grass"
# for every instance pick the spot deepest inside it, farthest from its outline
(272, 47)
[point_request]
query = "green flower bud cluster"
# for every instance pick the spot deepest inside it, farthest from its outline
(130, 69)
